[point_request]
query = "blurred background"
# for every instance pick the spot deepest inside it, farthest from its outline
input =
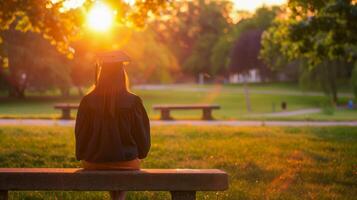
(284, 73)
(299, 52)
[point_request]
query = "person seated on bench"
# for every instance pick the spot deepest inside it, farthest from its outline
(112, 127)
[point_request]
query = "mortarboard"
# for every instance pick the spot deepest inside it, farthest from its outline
(113, 57)
(110, 57)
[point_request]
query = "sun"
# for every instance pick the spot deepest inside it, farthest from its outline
(100, 17)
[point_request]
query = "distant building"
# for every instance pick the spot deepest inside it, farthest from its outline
(252, 77)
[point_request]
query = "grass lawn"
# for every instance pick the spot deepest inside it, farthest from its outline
(262, 162)
(230, 97)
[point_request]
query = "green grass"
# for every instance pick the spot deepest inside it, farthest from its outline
(262, 162)
(230, 97)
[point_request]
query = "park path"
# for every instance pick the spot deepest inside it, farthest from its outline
(189, 88)
(48, 122)
(291, 113)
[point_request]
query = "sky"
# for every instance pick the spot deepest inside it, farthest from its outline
(251, 5)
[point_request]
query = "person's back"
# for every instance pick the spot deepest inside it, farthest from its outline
(112, 127)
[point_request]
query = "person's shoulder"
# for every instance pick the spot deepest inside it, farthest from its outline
(133, 98)
(88, 99)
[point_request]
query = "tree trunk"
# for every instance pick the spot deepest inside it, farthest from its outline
(15, 92)
(17, 77)
(332, 76)
(246, 94)
(16, 88)
(334, 94)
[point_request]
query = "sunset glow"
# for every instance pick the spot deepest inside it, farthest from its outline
(100, 17)
(251, 5)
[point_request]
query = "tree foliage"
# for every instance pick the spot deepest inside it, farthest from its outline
(276, 50)
(43, 17)
(245, 52)
(30, 57)
(152, 61)
(329, 33)
(318, 33)
(221, 52)
(191, 28)
(60, 24)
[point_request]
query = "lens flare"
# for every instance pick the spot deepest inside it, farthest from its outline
(100, 17)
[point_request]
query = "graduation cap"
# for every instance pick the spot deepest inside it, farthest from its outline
(110, 57)
(113, 57)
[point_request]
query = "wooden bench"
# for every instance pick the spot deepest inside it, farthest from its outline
(182, 183)
(66, 109)
(206, 109)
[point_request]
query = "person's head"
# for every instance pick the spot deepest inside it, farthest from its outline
(112, 79)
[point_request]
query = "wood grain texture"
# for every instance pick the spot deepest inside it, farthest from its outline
(140, 180)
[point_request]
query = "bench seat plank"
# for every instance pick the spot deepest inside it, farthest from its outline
(206, 109)
(140, 180)
(66, 105)
(185, 107)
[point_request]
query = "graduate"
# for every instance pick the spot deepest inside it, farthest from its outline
(112, 127)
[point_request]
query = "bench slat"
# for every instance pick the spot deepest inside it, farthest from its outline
(141, 180)
(184, 107)
(66, 105)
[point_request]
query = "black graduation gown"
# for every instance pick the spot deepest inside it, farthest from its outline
(111, 129)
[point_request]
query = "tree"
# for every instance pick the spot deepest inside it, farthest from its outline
(61, 22)
(261, 19)
(30, 57)
(322, 33)
(197, 62)
(354, 80)
(58, 24)
(212, 23)
(238, 49)
(329, 33)
(245, 52)
(276, 52)
(82, 65)
(152, 61)
(244, 57)
(191, 31)
(220, 55)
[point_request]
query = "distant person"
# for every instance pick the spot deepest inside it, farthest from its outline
(350, 104)
(112, 127)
